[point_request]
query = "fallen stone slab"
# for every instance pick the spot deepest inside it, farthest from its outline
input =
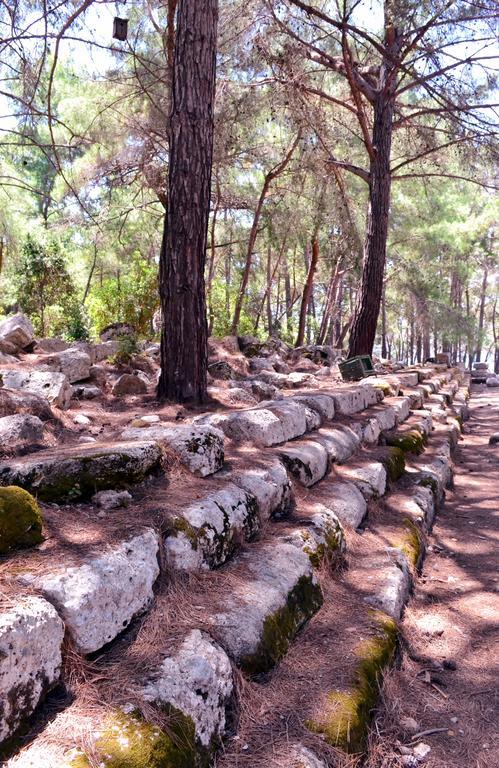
(81, 471)
(17, 331)
(20, 428)
(343, 499)
(73, 363)
(196, 681)
(207, 532)
(369, 477)
(99, 598)
(353, 399)
(31, 635)
(51, 345)
(199, 447)
(269, 485)
(50, 385)
(307, 461)
(280, 594)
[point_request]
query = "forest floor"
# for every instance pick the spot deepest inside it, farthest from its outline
(448, 679)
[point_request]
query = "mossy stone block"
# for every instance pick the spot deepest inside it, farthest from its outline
(20, 519)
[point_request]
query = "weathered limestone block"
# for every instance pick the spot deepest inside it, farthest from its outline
(76, 472)
(73, 363)
(344, 500)
(307, 461)
(369, 477)
(323, 404)
(402, 406)
(196, 681)
(339, 441)
(20, 428)
(407, 379)
(270, 486)
(210, 529)
(53, 386)
(101, 597)
(107, 500)
(291, 415)
(199, 447)
(51, 345)
(281, 593)
(17, 331)
(393, 582)
(323, 538)
(259, 426)
(353, 399)
(31, 635)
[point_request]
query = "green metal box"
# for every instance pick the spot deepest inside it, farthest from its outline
(357, 368)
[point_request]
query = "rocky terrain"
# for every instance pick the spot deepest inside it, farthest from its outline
(184, 587)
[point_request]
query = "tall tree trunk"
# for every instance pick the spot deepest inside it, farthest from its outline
(365, 319)
(481, 314)
(184, 336)
(384, 348)
(363, 328)
(307, 292)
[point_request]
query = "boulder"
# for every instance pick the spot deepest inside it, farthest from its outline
(20, 519)
(91, 597)
(492, 381)
(52, 386)
(114, 331)
(20, 428)
(31, 635)
(111, 499)
(197, 681)
(49, 346)
(15, 402)
(129, 384)
(73, 363)
(17, 331)
(87, 392)
(221, 369)
(199, 447)
(260, 426)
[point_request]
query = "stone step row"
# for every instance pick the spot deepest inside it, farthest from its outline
(103, 580)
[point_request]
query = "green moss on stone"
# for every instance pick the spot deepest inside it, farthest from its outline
(430, 482)
(280, 628)
(410, 441)
(20, 519)
(411, 543)
(393, 461)
(180, 525)
(346, 726)
(127, 741)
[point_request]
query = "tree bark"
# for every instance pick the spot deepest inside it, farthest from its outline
(365, 319)
(184, 337)
(307, 292)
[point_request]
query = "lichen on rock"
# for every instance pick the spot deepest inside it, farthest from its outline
(20, 519)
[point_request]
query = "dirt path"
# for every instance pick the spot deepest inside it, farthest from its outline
(449, 675)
